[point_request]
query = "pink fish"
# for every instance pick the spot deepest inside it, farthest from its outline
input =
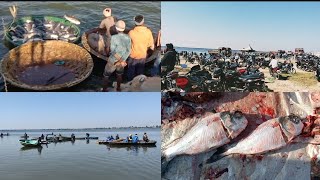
(211, 131)
(270, 135)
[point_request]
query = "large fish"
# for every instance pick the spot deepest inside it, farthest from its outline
(72, 19)
(270, 135)
(211, 131)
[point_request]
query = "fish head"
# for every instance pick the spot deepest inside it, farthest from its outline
(291, 125)
(234, 122)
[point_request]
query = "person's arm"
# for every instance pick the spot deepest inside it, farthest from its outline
(151, 41)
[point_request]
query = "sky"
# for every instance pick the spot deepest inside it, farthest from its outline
(78, 110)
(265, 26)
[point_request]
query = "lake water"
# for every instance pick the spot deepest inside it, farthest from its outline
(81, 160)
(90, 14)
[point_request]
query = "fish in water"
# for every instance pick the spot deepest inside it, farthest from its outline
(211, 131)
(270, 135)
(72, 19)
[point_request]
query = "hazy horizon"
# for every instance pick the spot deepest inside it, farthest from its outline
(266, 26)
(78, 110)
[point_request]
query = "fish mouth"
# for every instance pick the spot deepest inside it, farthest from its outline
(238, 114)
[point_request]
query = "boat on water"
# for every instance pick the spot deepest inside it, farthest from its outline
(83, 138)
(7, 134)
(30, 143)
(24, 137)
(124, 143)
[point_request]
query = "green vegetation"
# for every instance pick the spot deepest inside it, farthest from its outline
(304, 79)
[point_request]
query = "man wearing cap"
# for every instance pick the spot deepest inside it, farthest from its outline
(101, 43)
(119, 52)
(168, 60)
(142, 40)
(108, 22)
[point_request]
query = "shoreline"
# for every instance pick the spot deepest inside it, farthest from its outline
(78, 129)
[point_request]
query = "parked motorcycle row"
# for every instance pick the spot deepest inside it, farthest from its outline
(214, 74)
(309, 63)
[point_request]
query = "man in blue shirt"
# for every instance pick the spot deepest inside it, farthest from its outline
(120, 49)
(135, 138)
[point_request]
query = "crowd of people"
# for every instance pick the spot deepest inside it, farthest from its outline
(132, 49)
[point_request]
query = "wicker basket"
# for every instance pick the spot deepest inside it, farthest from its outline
(84, 41)
(77, 59)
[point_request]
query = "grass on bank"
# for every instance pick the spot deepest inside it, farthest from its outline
(304, 79)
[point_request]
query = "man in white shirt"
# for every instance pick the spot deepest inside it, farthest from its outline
(273, 63)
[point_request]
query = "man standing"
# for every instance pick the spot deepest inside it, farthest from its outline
(119, 52)
(168, 61)
(142, 40)
(101, 42)
(273, 63)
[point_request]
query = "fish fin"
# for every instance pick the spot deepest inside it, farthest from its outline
(220, 153)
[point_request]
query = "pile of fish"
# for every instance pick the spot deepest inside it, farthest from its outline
(270, 142)
(39, 29)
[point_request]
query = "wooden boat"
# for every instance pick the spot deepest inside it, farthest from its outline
(22, 20)
(30, 143)
(83, 138)
(107, 142)
(62, 64)
(122, 143)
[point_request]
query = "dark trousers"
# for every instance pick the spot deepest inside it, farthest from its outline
(135, 67)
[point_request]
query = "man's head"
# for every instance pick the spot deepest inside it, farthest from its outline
(107, 12)
(120, 26)
(136, 134)
(169, 46)
(138, 20)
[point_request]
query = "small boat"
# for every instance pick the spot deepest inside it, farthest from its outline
(107, 142)
(24, 137)
(122, 143)
(83, 138)
(30, 143)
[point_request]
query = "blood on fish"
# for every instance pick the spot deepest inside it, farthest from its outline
(275, 124)
(243, 157)
(259, 157)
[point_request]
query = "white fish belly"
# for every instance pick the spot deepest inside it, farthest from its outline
(266, 137)
(207, 134)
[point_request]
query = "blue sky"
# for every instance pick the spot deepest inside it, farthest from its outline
(263, 25)
(78, 110)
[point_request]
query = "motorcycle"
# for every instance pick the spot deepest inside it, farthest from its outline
(286, 68)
